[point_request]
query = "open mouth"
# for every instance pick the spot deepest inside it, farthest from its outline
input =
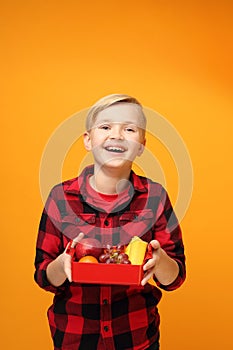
(115, 149)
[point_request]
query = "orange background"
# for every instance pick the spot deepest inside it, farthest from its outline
(59, 57)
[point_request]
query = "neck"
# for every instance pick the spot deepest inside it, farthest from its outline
(110, 181)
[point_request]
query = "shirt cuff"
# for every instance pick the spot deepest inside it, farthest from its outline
(177, 282)
(43, 282)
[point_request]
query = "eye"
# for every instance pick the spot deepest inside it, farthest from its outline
(131, 128)
(104, 127)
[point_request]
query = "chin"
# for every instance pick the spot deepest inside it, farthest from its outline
(118, 163)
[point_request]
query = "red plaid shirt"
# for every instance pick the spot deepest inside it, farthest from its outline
(87, 316)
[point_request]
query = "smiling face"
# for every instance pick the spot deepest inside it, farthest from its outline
(117, 136)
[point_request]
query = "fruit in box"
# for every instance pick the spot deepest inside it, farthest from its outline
(134, 253)
(114, 255)
(88, 246)
(88, 259)
(136, 250)
(91, 251)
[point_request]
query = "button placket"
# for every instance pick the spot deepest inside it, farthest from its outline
(106, 315)
(106, 222)
(106, 329)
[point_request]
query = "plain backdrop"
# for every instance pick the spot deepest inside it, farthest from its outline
(59, 57)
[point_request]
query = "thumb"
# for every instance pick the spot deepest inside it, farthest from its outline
(77, 239)
(155, 244)
(71, 245)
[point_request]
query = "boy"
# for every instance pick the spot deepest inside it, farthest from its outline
(108, 201)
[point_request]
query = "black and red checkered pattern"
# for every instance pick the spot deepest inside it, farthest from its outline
(105, 317)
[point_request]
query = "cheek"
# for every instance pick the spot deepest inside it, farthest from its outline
(96, 145)
(96, 142)
(98, 137)
(136, 142)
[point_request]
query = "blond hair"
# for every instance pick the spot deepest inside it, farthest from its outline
(108, 101)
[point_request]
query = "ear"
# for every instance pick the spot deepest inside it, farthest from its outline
(87, 141)
(141, 148)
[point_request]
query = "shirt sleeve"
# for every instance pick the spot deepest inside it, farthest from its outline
(169, 235)
(49, 244)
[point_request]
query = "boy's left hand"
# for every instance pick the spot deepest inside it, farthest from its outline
(151, 265)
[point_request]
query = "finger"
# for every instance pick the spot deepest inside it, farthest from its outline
(146, 278)
(150, 264)
(77, 239)
(67, 267)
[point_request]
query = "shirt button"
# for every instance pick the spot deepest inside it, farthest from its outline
(106, 223)
(106, 328)
(105, 301)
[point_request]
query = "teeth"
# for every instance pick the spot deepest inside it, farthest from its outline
(115, 149)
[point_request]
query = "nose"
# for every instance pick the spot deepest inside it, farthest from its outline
(116, 132)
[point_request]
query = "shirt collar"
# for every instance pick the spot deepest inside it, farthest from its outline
(78, 185)
(138, 183)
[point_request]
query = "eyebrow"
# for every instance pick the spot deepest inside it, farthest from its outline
(117, 122)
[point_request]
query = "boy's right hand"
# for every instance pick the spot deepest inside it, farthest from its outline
(67, 257)
(60, 268)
